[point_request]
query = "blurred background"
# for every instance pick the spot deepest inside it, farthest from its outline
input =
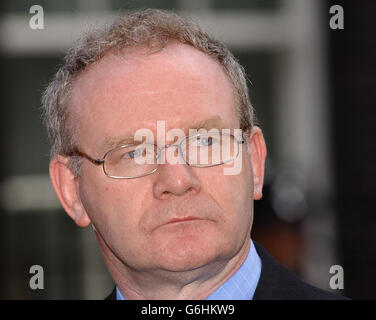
(312, 88)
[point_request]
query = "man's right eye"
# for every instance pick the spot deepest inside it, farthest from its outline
(132, 154)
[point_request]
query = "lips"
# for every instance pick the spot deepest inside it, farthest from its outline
(175, 220)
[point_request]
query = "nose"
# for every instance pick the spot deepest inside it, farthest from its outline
(175, 180)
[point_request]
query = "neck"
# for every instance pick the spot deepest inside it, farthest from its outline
(153, 284)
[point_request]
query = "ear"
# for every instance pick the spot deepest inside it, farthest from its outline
(257, 149)
(65, 184)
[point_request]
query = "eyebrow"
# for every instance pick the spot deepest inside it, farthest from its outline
(210, 123)
(118, 141)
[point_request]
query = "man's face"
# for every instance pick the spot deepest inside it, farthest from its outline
(133, 217)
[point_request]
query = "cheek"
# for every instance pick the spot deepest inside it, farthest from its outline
(231, 189)
(111, 203)
(234, 193)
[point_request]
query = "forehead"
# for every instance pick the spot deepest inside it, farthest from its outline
(132, 90)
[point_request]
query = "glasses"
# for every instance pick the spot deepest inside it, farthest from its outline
(138, 160)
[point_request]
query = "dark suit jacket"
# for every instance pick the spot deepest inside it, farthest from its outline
(278, 283)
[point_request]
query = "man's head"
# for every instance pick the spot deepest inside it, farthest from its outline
(148, 29)
(151, 66)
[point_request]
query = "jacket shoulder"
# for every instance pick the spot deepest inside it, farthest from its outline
(112, 295)
(278, 283)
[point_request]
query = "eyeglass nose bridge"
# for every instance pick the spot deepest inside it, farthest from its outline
(160, 149)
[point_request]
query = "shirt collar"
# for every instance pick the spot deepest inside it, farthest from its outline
(241, 285)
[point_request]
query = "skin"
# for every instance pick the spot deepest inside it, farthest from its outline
(148, 257)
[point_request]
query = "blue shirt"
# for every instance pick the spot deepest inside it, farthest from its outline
(241, 285)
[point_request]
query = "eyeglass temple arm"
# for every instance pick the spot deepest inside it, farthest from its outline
(79, 153)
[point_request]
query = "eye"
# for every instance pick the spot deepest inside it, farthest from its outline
(205, 141)
(141, 151)
(133, 154)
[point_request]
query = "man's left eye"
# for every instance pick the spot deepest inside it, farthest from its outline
(206, 141)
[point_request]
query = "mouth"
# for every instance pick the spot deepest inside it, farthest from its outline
(177, 220)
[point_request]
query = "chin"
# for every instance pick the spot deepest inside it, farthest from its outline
(188, 246)
(186, 260)
(186, 256)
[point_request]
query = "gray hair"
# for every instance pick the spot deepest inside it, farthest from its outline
(148, 28)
